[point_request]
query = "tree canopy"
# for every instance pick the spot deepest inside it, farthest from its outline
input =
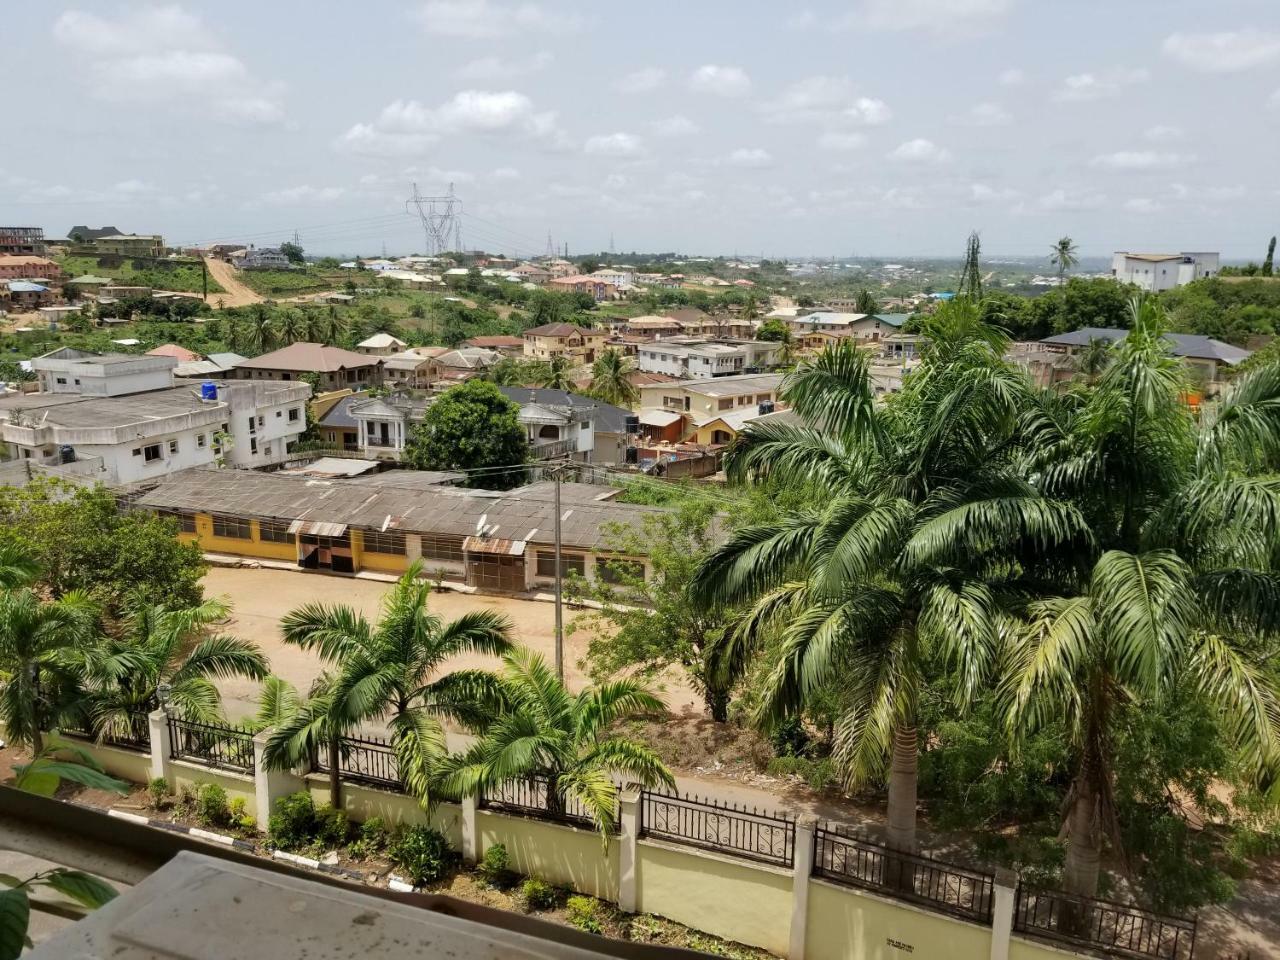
(471, 427)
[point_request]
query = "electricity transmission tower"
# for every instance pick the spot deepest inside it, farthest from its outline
(441, 220)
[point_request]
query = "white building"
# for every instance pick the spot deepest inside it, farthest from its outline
(697, 359)
(621, 277)
(126, 413)
(1163, 271)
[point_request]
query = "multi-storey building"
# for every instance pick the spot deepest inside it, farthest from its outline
(130, 245)
(1163, 271)
(22, 241)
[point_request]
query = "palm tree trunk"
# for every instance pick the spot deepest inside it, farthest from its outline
(335, 781)
(717, 701)
(903, 777)
(1084, 837)
(37, 739)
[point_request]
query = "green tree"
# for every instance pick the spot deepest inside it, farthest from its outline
(865, 302)
(1269, 262)
(903, 562)
(775, 331)
(292, 327)
(293, 251)
(552, 374)
(471, 427)
(611, 381)
(1064, 256)
(1080, 302)
(390, 670)
(1182, 588)
(545, 732)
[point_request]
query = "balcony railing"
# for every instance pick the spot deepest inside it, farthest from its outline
(553, 449)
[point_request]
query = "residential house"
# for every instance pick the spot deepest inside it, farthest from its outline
(380, 345)
(454, 366)
(530, 273)
(334, 366)
(179, 353)
(27, 295)
(621, 277)
(412, 369)
(84, 234)
(125, 412)
(700, 402)
(597, 289)
(652, 327)
(1208, 359)
(703, 359)
(557, 268)
(559, 419)
(507, 346)
(15, 267)
(383, 424)
(118, 291)
(265, 258)
(214, 365)
(568, 340)
(130, 245)
(334, 422)
(22, 241)
(1163, 271)
(86, 286)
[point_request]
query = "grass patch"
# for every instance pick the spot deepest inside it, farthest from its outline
(184, 275)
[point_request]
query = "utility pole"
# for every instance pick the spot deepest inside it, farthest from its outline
(556, 473)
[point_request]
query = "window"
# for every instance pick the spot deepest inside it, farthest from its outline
(261, 420)
(151, 453)
(295, 415)
(442, 548)
(266, 449)
(186, 521)
(726, 404)
(375, 542)
(231, 527)
(615, 570)
(62, 380)
(569, 563)
(277, 413)
(585, 425)
(253, 425)
(173, 446)
(274, 531)
(200, 440)
(763, 397)
(253, 444)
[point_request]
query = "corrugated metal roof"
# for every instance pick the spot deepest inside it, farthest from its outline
(506, 548)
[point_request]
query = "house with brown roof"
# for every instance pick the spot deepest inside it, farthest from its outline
(596, 288)
(28, 268)
(181, 354)
(574, 343)
(507, 346)
(336, 367)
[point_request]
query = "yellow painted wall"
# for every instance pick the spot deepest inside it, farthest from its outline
(364, 560)
(1020, 949)
(123, 764)
(704, 433)
(566, 856)
(363, 802)
(749, 903)
(191, 775)
(237, 547)
(845, 924)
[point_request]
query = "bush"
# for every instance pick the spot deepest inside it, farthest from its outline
(332, 828)
(422, 853)
(495, 867)
(372, 840)
(239, 818)
(537, 894)
(293, 824)
(585, 913)
(211, 805)
(158, 793)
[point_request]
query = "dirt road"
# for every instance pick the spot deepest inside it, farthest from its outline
(235, 293)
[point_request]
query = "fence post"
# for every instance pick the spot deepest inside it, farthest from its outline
(801, 868)
(161, 748)
(628, 838)
(1002, 902)
(470, 834)
(269, 785)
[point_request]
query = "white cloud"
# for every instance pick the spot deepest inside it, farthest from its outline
(677, 125)
(505, 173)
(480, 19)
(1231, 51)
(721, 81)
(1143, 205)
(166, 55)
(867, 111)
(501, 68)
(825, 99)
(841, 142)
(613, 145)
(984, 115)
(1163, 133)
(304, 194)
(642, 81)
(1085, 87)
(1214, 194)
(920, 150)
(938, 16)
(750, 157)
(1013, 77)
(1275, 99)
(134, 188)
(1065, 201)
(1140, 160)
(985, 193)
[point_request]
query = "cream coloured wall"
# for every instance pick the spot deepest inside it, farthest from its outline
(742, 901)
(191, 775)
(362, 802)
(124, 764)
(1020, 949)
(567, 856)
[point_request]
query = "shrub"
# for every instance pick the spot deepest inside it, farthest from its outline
(211, 805)
(239, 818)
(585, 913)
(537, 894)
(422, 853)
(332, 829)
(293, 823)
(495, 867)
(158, 793)
(372, 840)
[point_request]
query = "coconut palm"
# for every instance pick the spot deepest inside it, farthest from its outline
(553, 374)
(548, 733)
(333, 328)
(157, 644)
(609, 379)
(1064, 255)
(385, 672)
(37, 690)
(17, 567)
(923, 525)
(1187, 589)
(293, 326)
(1094, 359)
(259, 331)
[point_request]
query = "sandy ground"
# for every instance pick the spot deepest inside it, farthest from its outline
(260, 597)
(235, 293)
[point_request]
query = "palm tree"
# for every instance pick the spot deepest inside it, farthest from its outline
(158, 644)
(545, 732)
(921, 517)
(1064, 255)
(293, 326)
(38, 691)
(610, 381)
(1094, 359)
(259, 331)
(1187, 517)
(383, 672)
(17, 567)
(553, 374)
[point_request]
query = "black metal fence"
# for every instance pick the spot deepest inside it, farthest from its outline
(132, 732)
(1116, 928)
(533, 797)
(722, 827)
(916, 878)
(367, 760)
(216, 745)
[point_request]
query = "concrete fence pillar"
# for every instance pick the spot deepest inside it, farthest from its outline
(1002, 905)
(628, 838)
(470, 831)
(161, 746)
(801, 868)
(269, 785)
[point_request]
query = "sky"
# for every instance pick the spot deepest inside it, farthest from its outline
(864, 128)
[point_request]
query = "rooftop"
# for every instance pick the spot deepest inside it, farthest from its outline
(308, 358)
(731, 386)
(182, 354)
(1192, 346)
(561, 330)
(380, 341)
(608, 418)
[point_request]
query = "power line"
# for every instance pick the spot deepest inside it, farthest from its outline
(441, 220)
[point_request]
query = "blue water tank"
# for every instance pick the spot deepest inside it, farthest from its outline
(208, 390)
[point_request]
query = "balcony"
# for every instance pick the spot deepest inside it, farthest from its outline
(553, 449)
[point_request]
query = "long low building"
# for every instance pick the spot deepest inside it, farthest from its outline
(496, 541)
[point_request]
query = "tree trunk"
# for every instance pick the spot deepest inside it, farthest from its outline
(903, 781)
(1084, 838)
(37, 739)
(335, 780)
(717, 704)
